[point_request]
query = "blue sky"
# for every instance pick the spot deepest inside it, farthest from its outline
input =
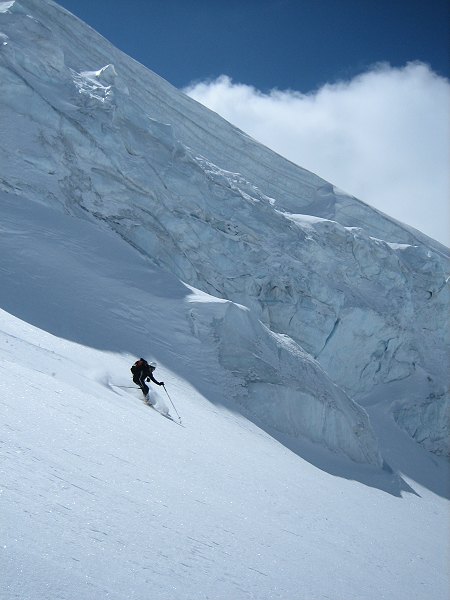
(357, 91)
(296, 44)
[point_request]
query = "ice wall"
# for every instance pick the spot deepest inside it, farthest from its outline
(279, 384)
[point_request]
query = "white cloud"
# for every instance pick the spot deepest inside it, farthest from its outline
(383, 136)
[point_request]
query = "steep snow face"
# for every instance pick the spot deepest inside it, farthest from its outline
(103, 498)
(80, 282)
(100, 136)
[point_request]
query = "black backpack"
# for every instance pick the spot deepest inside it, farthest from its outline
(138, 366)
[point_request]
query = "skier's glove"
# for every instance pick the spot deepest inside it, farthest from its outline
(148, 379)
(162, 383)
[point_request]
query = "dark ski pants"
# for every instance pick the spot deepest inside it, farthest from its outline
(140, 381)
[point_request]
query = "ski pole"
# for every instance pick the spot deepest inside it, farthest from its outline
(172, 403)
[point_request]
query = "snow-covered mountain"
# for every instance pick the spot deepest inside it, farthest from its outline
(136, 222)
(101, 137)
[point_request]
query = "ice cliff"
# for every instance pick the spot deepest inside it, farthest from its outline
(314, 303)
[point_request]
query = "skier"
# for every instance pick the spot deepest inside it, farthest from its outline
(142, 372)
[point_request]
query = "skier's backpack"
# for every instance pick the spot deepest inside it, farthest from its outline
(137, 366)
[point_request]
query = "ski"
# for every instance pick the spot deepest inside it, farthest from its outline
(166, 416)
(148, 403)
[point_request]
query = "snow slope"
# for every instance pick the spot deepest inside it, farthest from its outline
(101, 497)
(298, 332)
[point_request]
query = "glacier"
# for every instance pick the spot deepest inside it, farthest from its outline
(302, 335)
(331, 302)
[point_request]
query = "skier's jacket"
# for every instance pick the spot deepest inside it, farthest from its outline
(141, 370)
